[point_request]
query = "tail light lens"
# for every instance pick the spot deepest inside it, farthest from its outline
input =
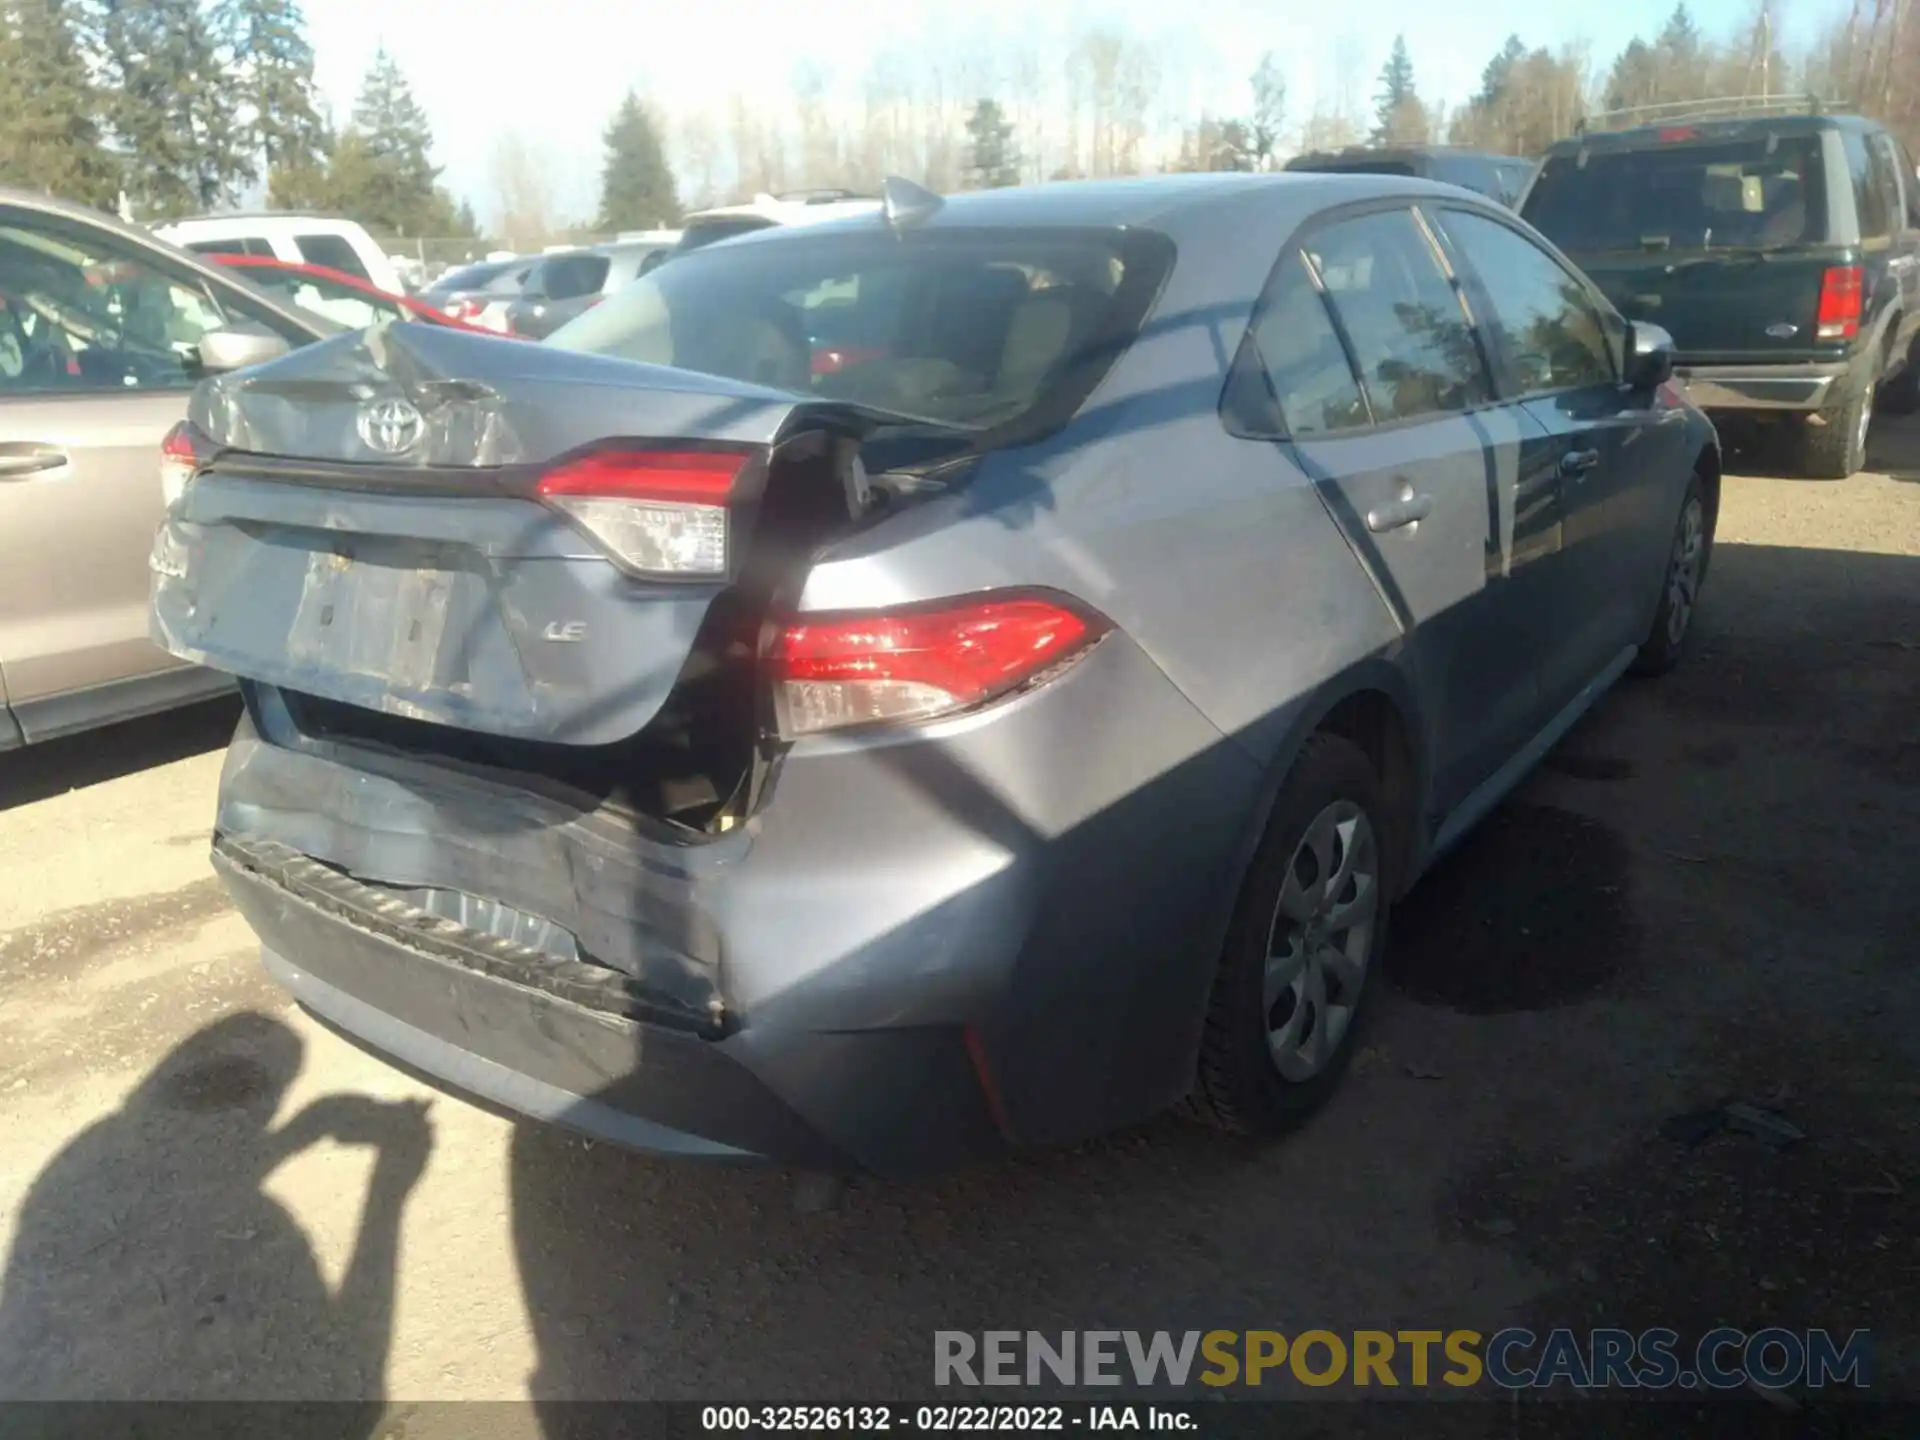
(658, 513)
(182, 455)
(1840, 297)
(888, 667)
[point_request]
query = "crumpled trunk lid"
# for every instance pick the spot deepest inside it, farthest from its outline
(368, 530)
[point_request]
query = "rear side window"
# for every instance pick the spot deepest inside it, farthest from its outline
(333, 252)
(231, 247)
(1550, 332)
(1910, 183)
(1739, 194)
(998, 330)
(1886, 180)
(1304, 364)
(1408, 330)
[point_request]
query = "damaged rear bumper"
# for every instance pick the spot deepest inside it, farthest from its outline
(928, 948)
(444, 1000)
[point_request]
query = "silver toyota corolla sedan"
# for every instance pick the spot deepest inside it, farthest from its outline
(959, 678)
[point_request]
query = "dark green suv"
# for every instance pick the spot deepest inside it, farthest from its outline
(1780, 250)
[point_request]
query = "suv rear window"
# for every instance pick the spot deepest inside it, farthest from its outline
(1359, 167)
(1733, 194)
(332, 252)
(977, 329)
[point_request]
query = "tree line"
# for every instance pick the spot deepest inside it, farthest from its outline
(168, 107)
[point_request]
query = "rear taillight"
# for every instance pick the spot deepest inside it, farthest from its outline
(659, 513)
(886, 667)
(1839, 314)
(182, 454)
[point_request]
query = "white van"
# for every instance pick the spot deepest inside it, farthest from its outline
(297, 239)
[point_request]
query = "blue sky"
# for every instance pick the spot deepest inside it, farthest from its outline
(552, 71)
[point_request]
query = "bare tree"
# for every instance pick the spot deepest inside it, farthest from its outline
(522, 176)
(699, 156)
(759, 149)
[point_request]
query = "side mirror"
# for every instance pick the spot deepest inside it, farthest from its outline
(237, 346)
(1649, 356)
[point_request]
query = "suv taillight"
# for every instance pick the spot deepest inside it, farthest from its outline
(658, 513)
(182, 455)
(831, 671)
(1839, 314)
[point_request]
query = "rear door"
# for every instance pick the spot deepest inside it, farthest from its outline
(1895, 179)
(1383, 385)
(96, 358)
(1557, 353)
(1723, 241)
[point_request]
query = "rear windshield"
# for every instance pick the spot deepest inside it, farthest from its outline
(976, 329)
(1357, 167)
(705, 232)
(1737, 194)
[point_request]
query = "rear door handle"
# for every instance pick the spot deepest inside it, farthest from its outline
(1409, 510)
(1576, 463)
(21, 462)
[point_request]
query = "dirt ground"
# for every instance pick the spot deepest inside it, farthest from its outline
(1709, 893)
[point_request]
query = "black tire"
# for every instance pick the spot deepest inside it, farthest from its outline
(1836, 449)
(1239, 1086)
(1666, 642)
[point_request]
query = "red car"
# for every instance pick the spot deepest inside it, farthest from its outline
(337, 297)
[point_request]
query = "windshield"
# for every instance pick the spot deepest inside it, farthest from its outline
(1738, 194)
(972, 329)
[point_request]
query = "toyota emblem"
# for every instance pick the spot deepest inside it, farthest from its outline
(391, 427)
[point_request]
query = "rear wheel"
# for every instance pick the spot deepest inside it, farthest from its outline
(1687, 559)
(1301, 956)
(1836, 447)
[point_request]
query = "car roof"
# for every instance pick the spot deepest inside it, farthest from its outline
(1733, 127)
(1404, 152)
(1165, 202)
(263, 222)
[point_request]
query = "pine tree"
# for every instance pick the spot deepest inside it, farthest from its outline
(49, 139)
(637, 190)
(992, 161)
(1399, 115)
(382, 172)
(1498, 74)
(272, 64)
(169, 105)
(1680, 38)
